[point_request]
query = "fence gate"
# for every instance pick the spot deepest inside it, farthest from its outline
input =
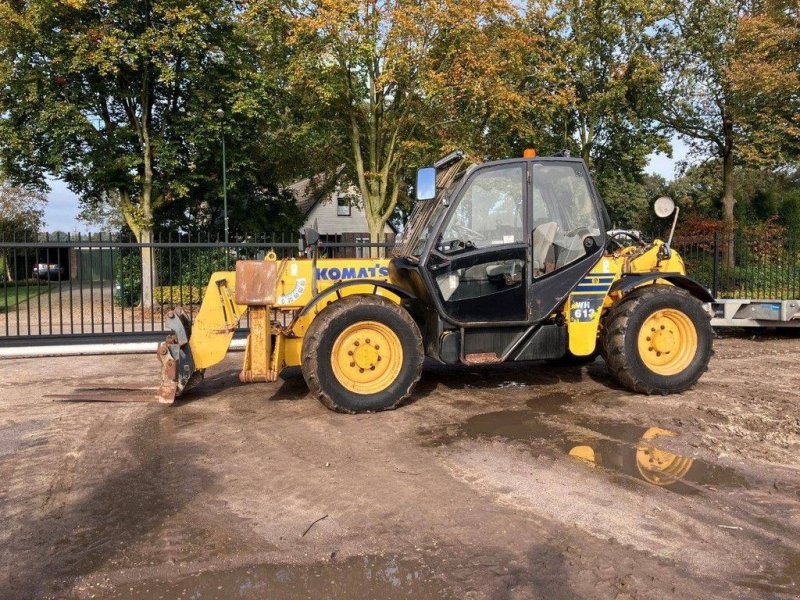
(92, 288)
(89, 288)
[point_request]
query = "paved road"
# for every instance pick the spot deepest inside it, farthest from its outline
(539, 482)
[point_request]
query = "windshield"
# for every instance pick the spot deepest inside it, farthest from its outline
(426, 213)
(489, 211)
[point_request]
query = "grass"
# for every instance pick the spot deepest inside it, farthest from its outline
(11, 294)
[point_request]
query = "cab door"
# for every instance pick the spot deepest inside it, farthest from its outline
(479, 263)
(568, 234)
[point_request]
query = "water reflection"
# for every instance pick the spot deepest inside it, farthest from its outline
(625, 448)
(644, 461)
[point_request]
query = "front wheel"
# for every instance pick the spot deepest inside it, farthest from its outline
(362, 354)
(657, 340)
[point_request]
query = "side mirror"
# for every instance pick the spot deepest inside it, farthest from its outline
(664, 207)
(426, 183)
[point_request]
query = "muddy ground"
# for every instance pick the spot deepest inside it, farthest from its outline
(531, 482)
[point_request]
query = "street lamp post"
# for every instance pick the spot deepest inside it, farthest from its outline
(221, 117)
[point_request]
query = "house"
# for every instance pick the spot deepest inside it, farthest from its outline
(336, 213)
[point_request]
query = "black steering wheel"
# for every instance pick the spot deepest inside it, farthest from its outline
(475, 236)
(578, 230)
(627, 234)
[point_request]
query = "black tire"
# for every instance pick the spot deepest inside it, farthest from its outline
(621, 334)
(318, 346)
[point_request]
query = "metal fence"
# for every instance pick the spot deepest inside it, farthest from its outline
(89, 287)
(741, 265)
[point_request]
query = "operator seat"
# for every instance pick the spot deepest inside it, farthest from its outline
(544, 237)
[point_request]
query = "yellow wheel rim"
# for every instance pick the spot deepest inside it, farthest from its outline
(667, 341)
(367, 357)
(656, 466)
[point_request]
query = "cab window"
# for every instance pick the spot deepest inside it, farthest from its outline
(489, 212)
(564, 215)
(483, 238)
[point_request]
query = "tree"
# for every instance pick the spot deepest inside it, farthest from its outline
(732, 86)
(762, 194)
(698, 189)
(21, 213)
(606, 50)
(115, 98)
(386, 81)
(699, 101)
(764, 75)
(607, 67)
(254, 212)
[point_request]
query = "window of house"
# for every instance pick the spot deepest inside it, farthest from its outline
(343, 206)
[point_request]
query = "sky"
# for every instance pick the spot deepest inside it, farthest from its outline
(61, 213)
(661, 165)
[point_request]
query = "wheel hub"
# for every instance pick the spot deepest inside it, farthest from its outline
(667, 341)
(367, 357)
(663, 340)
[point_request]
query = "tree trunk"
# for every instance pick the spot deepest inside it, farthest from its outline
(379, 189)
(375, 227)
(149, 272)
(728, 202)
(9, 278)
(587, 138)
(143, 232)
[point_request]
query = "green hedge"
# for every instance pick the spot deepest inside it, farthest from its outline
(178, 295)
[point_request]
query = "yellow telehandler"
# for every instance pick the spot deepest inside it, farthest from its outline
(510, 260)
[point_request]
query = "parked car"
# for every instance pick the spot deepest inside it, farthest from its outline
(48, 271)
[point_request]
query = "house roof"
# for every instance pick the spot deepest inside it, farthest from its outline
(309, 191)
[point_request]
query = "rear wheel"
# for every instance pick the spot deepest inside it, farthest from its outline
(657, 340)
(362, 354)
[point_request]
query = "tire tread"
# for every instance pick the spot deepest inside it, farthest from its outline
(313, 339)
(619, 362)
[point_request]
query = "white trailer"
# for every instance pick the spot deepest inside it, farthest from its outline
(755, 313)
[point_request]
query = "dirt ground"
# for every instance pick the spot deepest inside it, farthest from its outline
(531, 481)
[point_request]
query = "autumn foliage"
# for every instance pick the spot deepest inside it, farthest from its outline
(118, 99)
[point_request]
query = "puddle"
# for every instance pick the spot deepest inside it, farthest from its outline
(631, 450)
(384, 577)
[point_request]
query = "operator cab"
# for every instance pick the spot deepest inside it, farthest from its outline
(496, 248)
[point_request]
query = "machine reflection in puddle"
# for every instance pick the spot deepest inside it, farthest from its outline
(632, 450)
